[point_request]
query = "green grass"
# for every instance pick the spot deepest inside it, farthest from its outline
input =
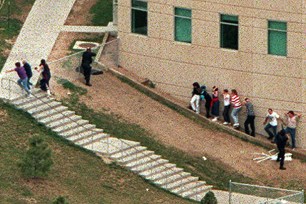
(77, 174)
(73, 88)
(102, 12)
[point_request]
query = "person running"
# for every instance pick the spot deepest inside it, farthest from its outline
(250, 120)
(236, 107)
(215, 103)
(195, 99)
(23, 78)
(273, 117)
(46, 76)
(281, 140)
(86, 61)
(28, 70)
(291, 126)
(227, 106)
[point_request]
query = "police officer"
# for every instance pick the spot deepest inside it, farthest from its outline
(281, 140)
(86, 61)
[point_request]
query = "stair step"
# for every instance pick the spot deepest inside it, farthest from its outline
(198, 195)
(35, 103)
(189, 187)
(56, 117)
(23, 99)
(64, 121)
(50, 113)
(47, 107)
(136, 156)
(142, 161)
(128, 153)
(74, 128)
(159, 169)
(90, 139)
(81, 131)
(184, 181)
(172, 178)
(124, 147)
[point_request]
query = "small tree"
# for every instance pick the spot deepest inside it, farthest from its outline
(209, 198)
(37, 161)
(60, 200)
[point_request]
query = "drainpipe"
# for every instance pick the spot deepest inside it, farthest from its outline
(115, 12)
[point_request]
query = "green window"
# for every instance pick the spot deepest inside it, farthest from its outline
(182, 30)
(277, 38)
(139, 17)
(229, 31)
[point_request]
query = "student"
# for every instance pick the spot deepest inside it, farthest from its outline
(207, 103)
(23, 78)
(273, 117)
(291, 126)
(28, 70)
(195, 99)
(215, 103)
(46, 76)
(236, 107)
(250, 117)
(227, 106)
(281, 140)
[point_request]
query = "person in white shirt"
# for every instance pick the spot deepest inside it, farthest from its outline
(272, 117)
(291, 126)
(227, 106)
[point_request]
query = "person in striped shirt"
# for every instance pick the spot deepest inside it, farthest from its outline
(235, 100)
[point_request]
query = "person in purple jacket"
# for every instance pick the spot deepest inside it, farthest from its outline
(23, 78)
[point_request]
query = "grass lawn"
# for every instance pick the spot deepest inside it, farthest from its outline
(102, 12)
(77, 174)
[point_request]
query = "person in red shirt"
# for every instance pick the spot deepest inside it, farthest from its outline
(235, 100)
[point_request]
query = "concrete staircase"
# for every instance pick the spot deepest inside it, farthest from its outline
(126, 153)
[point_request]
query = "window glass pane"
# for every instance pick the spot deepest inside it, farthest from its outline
(183, 29)
(139, 4)
(183, 12)
(139, 22)
(277, 43)
(229, 33)
(229, 19)
(277, 25)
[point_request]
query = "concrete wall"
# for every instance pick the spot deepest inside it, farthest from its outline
(270, 81)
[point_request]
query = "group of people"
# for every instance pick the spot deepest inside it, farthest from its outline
(25, 74)
(232, 99)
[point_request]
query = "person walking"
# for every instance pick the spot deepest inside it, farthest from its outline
(28, 70)
(227, 106)
(215, 103)
(236, 107)
(23, 78)
(86, 61)
(250, 120)
(46, 76)
(281, 140)
(195, 99)
(291, 126)
(273, 117)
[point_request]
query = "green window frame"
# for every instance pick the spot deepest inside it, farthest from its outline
(182, 25)
(229, 31)
(277, 38)
(139, 17)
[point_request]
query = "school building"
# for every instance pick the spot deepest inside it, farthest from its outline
(254, 46)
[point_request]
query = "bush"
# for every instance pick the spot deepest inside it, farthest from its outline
(37, 161)
(60, 200)
(209, 198)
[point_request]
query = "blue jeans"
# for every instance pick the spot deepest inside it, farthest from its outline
(23, 83)
(234, 114)
(291, 131)
(274, 129)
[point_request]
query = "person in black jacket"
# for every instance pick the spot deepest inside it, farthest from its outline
(281, 140)
(86, 61)
(28, 70)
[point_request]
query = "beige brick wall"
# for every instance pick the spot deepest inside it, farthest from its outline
(270, 81)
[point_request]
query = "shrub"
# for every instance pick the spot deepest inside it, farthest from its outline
(209, 198)
(37, 161)
(60, 200)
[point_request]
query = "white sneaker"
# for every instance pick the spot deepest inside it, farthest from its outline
(214, 120)
(236, 125)
(30, 95)
(225, 123)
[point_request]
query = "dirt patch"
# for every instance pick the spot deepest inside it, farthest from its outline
(79, 14)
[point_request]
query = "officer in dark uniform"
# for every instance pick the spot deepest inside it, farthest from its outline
(86, 61)
(281, 140)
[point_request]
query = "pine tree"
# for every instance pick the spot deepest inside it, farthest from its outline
(37, 161)
(209, 198)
